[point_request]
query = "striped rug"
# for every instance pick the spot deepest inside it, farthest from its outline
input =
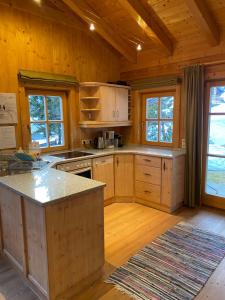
(175, 266)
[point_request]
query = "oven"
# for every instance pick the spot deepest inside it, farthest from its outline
(81, 167)
(85, 172)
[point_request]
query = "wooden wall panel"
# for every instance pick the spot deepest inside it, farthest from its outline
(34, 43)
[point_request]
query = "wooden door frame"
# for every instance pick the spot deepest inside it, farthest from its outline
(207, 199)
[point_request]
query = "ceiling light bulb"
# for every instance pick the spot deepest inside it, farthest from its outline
(92, 27)
(38, 1)
(139, 48)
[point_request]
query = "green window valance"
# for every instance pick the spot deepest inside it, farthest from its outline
(148, 83)
(42, 77)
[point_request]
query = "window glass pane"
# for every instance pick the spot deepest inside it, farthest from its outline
(217, 99)
(54, 108)
(215, 176)
(152, 131)
(166, 107)
(56, 134)
(39, 134)
(152, 108)
(37, 107)
(216, 139)
(166, 131)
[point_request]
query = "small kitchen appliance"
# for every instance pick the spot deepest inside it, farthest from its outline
(99, 142)
(108, 139)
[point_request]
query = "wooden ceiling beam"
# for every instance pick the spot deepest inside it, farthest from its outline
(81, 9)
(147, 19)
(205, 20)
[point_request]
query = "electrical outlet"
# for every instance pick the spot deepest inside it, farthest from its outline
(183, 143)
(85, 142)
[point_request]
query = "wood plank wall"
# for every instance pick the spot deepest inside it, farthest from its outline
(31, 42)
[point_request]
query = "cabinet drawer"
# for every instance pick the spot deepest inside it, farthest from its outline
(147, 191)
(103, 160)
(150, 161)
(148, 174)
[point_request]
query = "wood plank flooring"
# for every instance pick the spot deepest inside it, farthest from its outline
(128, 228)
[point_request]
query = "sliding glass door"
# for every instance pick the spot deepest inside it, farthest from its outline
(214, 146)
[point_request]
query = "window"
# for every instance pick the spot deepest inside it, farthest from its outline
(158, 119)
(47, 119)
(215, 141)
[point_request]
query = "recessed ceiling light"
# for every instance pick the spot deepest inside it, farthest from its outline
(139, 47)
(38, 1)
(92, 27)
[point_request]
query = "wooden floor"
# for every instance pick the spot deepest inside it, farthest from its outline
(128, 228)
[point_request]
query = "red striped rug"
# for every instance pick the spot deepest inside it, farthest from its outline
(175, 266)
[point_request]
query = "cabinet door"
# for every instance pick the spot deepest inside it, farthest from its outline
(167, 170)
(107, 104)
(124, 175)
(103, 170)
(121, 104)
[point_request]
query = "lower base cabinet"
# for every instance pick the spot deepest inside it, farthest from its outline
(103, 170)
(124, 175)
(159, 182)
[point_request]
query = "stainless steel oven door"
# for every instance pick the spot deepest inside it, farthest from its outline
(85, 172)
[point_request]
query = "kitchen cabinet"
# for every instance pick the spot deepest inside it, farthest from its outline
(103, 170)
(172, 194)
(159, 182)
(103, 105)
(147, 179)
(124, 175)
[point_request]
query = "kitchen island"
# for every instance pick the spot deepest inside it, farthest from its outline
(52, 230)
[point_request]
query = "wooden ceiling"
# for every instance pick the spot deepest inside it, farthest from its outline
(160, 26)
(165, 28)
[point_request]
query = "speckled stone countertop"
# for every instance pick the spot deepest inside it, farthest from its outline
(132, 149)
(139, 149)
(49, 185)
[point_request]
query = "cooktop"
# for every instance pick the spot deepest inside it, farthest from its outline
(72, 154)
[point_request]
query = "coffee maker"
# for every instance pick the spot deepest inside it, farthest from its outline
(108, 137)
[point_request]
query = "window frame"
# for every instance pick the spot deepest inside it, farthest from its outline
(175, 119)
(47, 92)
(209, 199)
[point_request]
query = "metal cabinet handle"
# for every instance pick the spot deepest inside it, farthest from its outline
(118, 113)
(117, 161)
(148, 192)
(164, 166)
(149, 160)
(147, 174)
(114, 114)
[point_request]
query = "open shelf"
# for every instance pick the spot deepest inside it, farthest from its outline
(89, 98)
(90, 109)
(97, 124)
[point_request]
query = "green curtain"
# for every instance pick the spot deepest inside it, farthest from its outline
(194, 98)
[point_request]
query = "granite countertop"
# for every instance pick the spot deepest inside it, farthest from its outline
(132, 149)
(49, 185)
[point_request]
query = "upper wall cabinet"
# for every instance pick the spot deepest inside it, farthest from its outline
(103, 105)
